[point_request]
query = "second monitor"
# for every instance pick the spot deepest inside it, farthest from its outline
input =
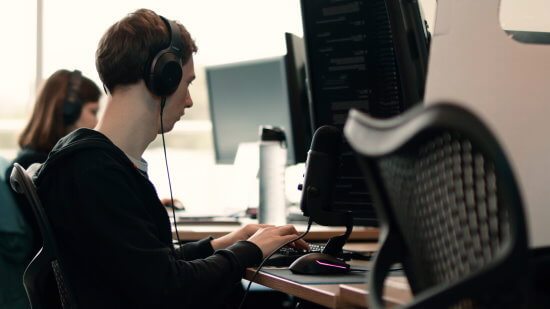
(245, 95)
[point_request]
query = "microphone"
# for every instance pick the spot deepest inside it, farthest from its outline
(327, 139)
(321, 168)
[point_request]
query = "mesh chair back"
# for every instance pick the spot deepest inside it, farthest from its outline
(35, 278)
(448, 202)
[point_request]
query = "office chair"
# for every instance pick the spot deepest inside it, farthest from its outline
(38, 272)
(449, 208)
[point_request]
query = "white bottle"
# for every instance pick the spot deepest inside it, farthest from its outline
(273, 152)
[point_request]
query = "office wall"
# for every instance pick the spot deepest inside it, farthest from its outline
(525, 15)
(474, 63)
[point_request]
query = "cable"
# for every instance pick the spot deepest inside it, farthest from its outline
(162, 104)
(267, 258)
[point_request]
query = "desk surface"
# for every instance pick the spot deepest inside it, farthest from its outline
(336, 295)
(322, 294)
(396, 292)
(322, 233)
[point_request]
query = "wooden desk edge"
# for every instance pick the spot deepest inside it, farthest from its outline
(356, 295)
(353, 296)
(358, 234)
(325, 295)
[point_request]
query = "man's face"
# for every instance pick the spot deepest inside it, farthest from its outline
(180, 100)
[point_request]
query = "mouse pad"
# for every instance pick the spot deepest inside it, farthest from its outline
(349, 278)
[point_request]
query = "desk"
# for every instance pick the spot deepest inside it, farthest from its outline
(322, 294)
(396, 292)
(336, 295)
(317, 232)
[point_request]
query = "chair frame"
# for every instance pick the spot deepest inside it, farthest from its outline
(47, 258)
(373, 139)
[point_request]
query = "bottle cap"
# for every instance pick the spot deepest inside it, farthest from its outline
(271, 133)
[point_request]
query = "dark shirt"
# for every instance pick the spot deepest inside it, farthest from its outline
(115, 236)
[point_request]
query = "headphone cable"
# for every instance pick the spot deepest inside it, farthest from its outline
(310, 221)
(162, 104)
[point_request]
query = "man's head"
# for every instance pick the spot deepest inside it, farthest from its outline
(126, 50)
(129, 48)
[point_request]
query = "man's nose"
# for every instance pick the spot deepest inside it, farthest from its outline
(189, 100)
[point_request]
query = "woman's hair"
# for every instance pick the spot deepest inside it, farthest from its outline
(46, 125)
(129, 46)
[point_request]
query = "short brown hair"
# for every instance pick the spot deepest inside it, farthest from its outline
(131, 43)
(46, 125)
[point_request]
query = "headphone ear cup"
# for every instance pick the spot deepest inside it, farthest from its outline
(72, 105)
(71, 112)
(166, 74)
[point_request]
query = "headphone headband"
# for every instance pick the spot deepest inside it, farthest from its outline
(175, 45)
(73, 104)
(165, 70)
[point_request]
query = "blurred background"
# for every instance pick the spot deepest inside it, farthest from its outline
(42, 36)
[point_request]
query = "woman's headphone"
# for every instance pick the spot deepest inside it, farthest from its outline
(73, 104)
(164, 74)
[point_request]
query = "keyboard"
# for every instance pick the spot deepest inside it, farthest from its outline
(286, 255)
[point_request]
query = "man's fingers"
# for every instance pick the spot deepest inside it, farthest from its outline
(288, 229)
(265, 225)
(301, 244)
(288, 238)
(255, 227)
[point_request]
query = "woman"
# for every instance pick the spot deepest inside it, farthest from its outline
(67, 101)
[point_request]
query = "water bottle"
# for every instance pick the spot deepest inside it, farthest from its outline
(273, 151)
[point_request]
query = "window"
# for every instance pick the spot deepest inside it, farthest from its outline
(18, 62)
(225, 31)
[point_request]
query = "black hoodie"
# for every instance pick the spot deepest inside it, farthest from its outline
(115, 235)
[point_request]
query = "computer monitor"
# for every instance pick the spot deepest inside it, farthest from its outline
(365, 54)
(295, 61)
(245, 95)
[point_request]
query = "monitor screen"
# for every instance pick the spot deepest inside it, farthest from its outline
(245, 95)
(297, 95)
(365, 54)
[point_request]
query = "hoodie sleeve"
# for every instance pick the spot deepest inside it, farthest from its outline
(121, 243)
(196, 250)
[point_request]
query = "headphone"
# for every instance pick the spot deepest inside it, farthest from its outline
(162, 77)
(164, 73)
(73, 104)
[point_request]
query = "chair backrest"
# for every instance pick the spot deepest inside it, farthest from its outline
(47, 259)
(449, 208)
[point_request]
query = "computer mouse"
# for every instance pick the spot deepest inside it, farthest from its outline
(319, 264)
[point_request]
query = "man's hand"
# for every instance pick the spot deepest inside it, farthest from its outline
(241, 234)
(270, 238)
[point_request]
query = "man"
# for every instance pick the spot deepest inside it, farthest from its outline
(112, 230)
